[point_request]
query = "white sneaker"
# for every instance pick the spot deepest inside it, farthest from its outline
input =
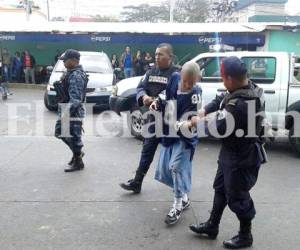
(186, 204)
(173, 216)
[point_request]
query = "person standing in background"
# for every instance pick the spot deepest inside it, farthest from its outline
(114, 61)
(138, 64)
(126, 62)
(17, 67)
(29, 64)
(148, 60)
(6, 63)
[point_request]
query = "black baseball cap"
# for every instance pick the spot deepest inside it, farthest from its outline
(233, 66)
(70, 54)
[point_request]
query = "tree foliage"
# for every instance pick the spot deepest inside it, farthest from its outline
(99, 18)
(184, 11)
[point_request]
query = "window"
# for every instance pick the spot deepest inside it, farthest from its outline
(261, 70)
(296, 79)
(210, 69)
(90, 63)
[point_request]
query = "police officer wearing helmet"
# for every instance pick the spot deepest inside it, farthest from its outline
(240, 157)
(71, 93)
(152, 84)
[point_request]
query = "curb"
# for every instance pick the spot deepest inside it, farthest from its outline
(27, 86)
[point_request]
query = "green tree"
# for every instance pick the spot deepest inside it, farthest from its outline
(144, 13)
(191, 11)
(184, 11)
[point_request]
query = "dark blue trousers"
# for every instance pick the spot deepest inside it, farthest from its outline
(148, 152)
(74, 142)
(235, 177)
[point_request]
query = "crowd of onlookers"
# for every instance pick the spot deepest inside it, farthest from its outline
(19, 67)
(132, 64)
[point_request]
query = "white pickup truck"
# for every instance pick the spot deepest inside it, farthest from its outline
(275, 72)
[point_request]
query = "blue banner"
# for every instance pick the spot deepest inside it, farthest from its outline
(210, 39)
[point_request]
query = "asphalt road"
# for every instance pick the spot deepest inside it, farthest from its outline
(41, 207)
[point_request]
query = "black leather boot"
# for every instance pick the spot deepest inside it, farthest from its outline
(135, 184)
(243, 239)
(73, 158)
(208, 228)
(76, 165)
(71, 161)
(211, 227)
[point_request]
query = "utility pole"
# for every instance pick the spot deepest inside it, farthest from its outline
(27, 10)
(74, 7)
(48, 11)
(172, 6)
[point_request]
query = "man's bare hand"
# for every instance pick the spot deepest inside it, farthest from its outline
(201, 113)
(147, 100)
(193, 122)
(153, 106)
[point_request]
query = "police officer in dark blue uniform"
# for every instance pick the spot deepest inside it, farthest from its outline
(71, 93)
(240, 157)
(153, 83)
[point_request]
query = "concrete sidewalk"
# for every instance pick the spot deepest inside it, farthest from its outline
(27, 86)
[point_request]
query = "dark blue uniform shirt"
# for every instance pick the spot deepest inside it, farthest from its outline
(184, 103)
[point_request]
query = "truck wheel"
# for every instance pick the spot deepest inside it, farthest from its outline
(50, 108)
(136, 122)
(295, 141)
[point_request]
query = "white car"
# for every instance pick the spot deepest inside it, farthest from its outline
(101, 76)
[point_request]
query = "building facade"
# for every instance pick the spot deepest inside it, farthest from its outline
(247, 9)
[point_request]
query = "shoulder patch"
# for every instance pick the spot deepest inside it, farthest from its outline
(232, 102)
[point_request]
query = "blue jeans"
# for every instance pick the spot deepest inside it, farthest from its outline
(17, 74)
(5, 73)
(128, 72)
(175, 168)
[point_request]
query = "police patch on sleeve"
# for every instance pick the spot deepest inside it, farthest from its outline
(232, 102)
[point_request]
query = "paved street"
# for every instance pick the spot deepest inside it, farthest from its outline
(41, 207)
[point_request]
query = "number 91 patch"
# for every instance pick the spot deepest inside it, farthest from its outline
(196, 98)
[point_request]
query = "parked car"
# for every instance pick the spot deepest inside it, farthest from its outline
(275, 72)
(98, 67)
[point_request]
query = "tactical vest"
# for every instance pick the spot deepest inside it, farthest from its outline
(252, 93)
(65, 83)
(158, 80)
